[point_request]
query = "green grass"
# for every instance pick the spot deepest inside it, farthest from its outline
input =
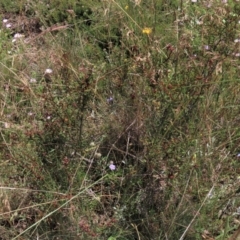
(171, 130)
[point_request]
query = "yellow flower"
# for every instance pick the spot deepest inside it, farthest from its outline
(147, 30)
(126, 7)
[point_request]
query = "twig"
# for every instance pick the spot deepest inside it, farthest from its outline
(197, 213)
(50, 29)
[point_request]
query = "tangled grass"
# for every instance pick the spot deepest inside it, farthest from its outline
(119, 120)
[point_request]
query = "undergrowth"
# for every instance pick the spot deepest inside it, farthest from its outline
(119, 120)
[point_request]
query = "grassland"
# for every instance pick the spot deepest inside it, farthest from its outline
(119, 120)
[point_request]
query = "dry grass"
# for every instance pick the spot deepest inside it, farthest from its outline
(154, 95)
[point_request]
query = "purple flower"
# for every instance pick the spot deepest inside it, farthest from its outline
(238, 155)
(110, 100)
(206, 47)
(112, 166)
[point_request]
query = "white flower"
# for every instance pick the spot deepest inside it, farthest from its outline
(7, 125)
(194, 1)
(18, 35)
(32, 80)
(199, 22)
(9, 25)
(236, 54)
(48, 71)
(5, 20)
(237, 40)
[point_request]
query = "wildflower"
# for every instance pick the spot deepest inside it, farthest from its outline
(206, 47)
(7, 125)
(147, 30)
(238, 155)
(18, 35)
(92, 144)
(110, 100)
(5, 20)
(126, 7)
(112, 166)
(237, 40)
(236, 54)
(9, 25)
(224, 1)
(199, 22)
(48, 71)
(32, 80)
(194, 1)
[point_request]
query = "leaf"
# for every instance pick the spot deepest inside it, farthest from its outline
(111, 238)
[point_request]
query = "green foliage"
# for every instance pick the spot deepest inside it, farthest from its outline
(63, 11)
(12, 6)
